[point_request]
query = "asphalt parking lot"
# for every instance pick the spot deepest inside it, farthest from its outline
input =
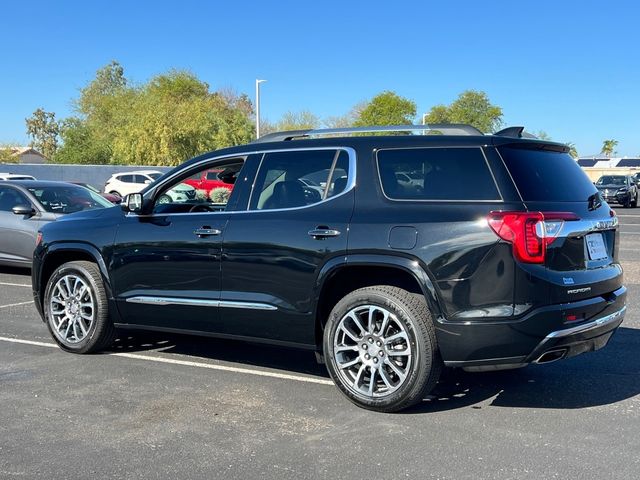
(170, 406)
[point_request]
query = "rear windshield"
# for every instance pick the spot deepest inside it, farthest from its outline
(546, 176)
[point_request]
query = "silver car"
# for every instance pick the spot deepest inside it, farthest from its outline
(27, 205)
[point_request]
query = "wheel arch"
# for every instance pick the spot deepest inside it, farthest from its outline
(60, 253)
(344, 275)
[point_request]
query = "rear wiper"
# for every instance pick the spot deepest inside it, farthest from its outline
(595, 201)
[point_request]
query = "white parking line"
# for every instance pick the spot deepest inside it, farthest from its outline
(187, 363)
(15, 284)
(16, 304)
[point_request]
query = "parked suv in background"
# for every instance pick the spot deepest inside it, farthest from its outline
(122, 184)
(621, 189)
(501, 256)
(15, 176)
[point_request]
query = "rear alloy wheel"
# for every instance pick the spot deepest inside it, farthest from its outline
(76, 310)
(380, 348)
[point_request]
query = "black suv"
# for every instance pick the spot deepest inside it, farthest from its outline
(621, 189)
(391, 256)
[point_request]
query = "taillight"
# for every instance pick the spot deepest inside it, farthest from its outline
(529, 232)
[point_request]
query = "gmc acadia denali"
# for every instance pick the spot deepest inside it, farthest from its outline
(498, 252)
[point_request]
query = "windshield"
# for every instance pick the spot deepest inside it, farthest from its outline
(610, 180)
(68, 198)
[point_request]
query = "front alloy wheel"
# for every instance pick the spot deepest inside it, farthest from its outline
(76, 309)
(72, 309)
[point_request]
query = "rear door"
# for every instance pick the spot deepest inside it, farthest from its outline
(582, 256)
(273, 252)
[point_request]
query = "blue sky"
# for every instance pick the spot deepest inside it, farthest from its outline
(569, 68)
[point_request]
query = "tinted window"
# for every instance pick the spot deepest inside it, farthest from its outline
(612, 180)
(543, 175)
(436, 174)
(299, 178)
(126, 178)
(10, 197)
(68, 199)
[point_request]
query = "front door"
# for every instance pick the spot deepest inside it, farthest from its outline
(166, 264)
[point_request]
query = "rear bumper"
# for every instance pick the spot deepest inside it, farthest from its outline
(540, 337)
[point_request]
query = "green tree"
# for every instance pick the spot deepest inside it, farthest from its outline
(542, 135)
(471, 107)
(8, 154)
(81, 144)
(44, 130)
(165, 121)
(387, 108)
(609, 147)
(297, 121)
(573, 151)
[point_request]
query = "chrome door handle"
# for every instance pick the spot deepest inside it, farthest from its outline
(207, 232)
(323, 233)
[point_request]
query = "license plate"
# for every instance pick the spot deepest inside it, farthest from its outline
(596, 247)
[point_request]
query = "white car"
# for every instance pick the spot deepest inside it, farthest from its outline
(122, 184)
(15, 176)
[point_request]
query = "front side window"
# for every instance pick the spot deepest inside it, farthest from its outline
(299, 178)
(126, 178)
(436, 174)
(189, 194)
(10, 197)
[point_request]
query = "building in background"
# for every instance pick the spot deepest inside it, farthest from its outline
(28, 155)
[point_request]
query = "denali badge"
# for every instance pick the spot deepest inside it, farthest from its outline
(579, 290)
(567, 281)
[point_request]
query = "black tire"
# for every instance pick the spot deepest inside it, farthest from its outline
(164, 199)
(426, 364)
(101, 332)
(634, 204)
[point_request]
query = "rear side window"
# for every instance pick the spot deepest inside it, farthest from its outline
(436, 174)
(125, 178)
(547, 176)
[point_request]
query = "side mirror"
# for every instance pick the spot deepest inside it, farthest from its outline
(133, 203)
(24, 210)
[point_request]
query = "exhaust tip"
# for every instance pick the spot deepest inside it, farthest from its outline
(552, 356)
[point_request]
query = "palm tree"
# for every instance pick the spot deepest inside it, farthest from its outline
(573, 151)
(608, 147)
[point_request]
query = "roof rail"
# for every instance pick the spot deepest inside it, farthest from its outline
(445, 129)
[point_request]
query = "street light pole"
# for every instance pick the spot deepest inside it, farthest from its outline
(258, 82)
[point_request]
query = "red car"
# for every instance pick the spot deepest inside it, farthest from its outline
(208, 180)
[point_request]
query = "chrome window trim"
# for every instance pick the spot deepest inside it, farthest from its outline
(435, 200)
(198, 302)
(351, 181)
(351, 176)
